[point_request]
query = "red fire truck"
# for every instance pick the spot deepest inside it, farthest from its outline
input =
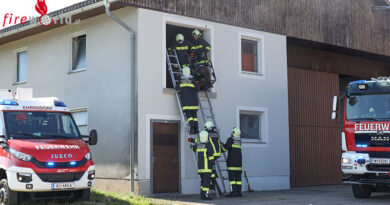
(42, 153)
(365, 137)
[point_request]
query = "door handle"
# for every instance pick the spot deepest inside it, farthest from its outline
(153, 158)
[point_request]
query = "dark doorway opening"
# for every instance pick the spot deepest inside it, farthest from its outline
(172, 31)
(165, 157)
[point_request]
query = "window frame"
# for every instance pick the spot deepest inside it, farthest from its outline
(188, 23)
(260, 74)
(15, 55)
(70, 48)
(263, 140)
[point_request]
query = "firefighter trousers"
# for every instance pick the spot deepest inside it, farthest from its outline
(205, 181)
(235, 181)
(192, 118)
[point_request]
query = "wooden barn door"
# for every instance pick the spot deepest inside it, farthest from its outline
(315, 143)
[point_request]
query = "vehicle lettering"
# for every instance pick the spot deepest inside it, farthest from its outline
(37, 108)
(61, 156)
(62, 170)
(372, 127)
(41, 147)
(380, 139)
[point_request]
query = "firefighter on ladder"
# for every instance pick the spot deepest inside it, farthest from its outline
(234, 163)
(215, 142)
(188, 91)
(200, 60)
(205, 159)
(183, 50)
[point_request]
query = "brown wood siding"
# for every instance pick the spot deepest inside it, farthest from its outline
(346, 23)
(315, 146)
(320, 60)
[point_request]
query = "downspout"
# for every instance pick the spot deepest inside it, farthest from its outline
(134, 92)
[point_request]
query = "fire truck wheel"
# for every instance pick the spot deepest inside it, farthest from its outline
(361, 191)
(7, 196)
(85, 195)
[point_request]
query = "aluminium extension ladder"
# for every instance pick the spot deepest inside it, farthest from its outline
(206, 108)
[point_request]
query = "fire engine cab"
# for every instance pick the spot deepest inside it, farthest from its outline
(42, 153)
(365, 138)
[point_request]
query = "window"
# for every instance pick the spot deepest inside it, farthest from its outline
(79, 52)
(253, 122)
(81, 118)
(250, 124)
(21, 66)
(249, 56)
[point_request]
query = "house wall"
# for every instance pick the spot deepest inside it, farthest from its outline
(103, 88)
(267, 165)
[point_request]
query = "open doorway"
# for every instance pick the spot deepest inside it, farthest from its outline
(171, 32)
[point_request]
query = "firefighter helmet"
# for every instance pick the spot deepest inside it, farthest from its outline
(236, 132)
(179, 38)
(186, 72)
(209, 125)
(196, 32)
(203, 136)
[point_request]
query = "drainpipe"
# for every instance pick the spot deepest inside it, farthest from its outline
(134, 93)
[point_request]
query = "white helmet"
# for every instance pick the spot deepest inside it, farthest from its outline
(209, 125)
(196, 32)
(179, 38)
(203, 136)
(186, 72)
(236, 132)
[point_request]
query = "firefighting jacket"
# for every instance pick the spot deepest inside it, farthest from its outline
(188, 90)
(215, 142)
(234, 160)
(204, 157)
(183, 52)
(200, 49)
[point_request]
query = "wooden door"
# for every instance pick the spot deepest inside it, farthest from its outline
(315, 140)
(165, 157)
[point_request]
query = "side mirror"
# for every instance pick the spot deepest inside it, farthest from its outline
(334, 110)
(92, 138)
(3, 142)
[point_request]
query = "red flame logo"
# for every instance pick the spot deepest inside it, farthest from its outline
(41, 7)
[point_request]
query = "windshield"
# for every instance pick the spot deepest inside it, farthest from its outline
(40, 125)
(368, 107)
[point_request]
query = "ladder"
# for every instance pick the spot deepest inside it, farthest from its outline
(175, 73)
(209, 115)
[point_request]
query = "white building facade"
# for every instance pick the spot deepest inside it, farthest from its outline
(95, 84)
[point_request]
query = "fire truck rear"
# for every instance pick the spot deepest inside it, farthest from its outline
(365, 136)
(42, 153)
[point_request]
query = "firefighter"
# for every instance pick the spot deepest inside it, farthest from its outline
(183, 50)
(200, 60)
(215, 142)
(234, 162)
(205, 159)
(188, 89)
(200, 48)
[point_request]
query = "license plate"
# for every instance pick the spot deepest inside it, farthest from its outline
(380, 161)
(62, 186)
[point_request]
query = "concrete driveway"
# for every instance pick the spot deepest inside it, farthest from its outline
(340, 194)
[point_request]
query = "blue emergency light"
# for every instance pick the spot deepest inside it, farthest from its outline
(73, 163)
(50, 164)
(8, 102)
(362, 145)
(58, 103)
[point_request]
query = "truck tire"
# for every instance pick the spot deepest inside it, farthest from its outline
(361, 191)
(84, 195)
(7, 196)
